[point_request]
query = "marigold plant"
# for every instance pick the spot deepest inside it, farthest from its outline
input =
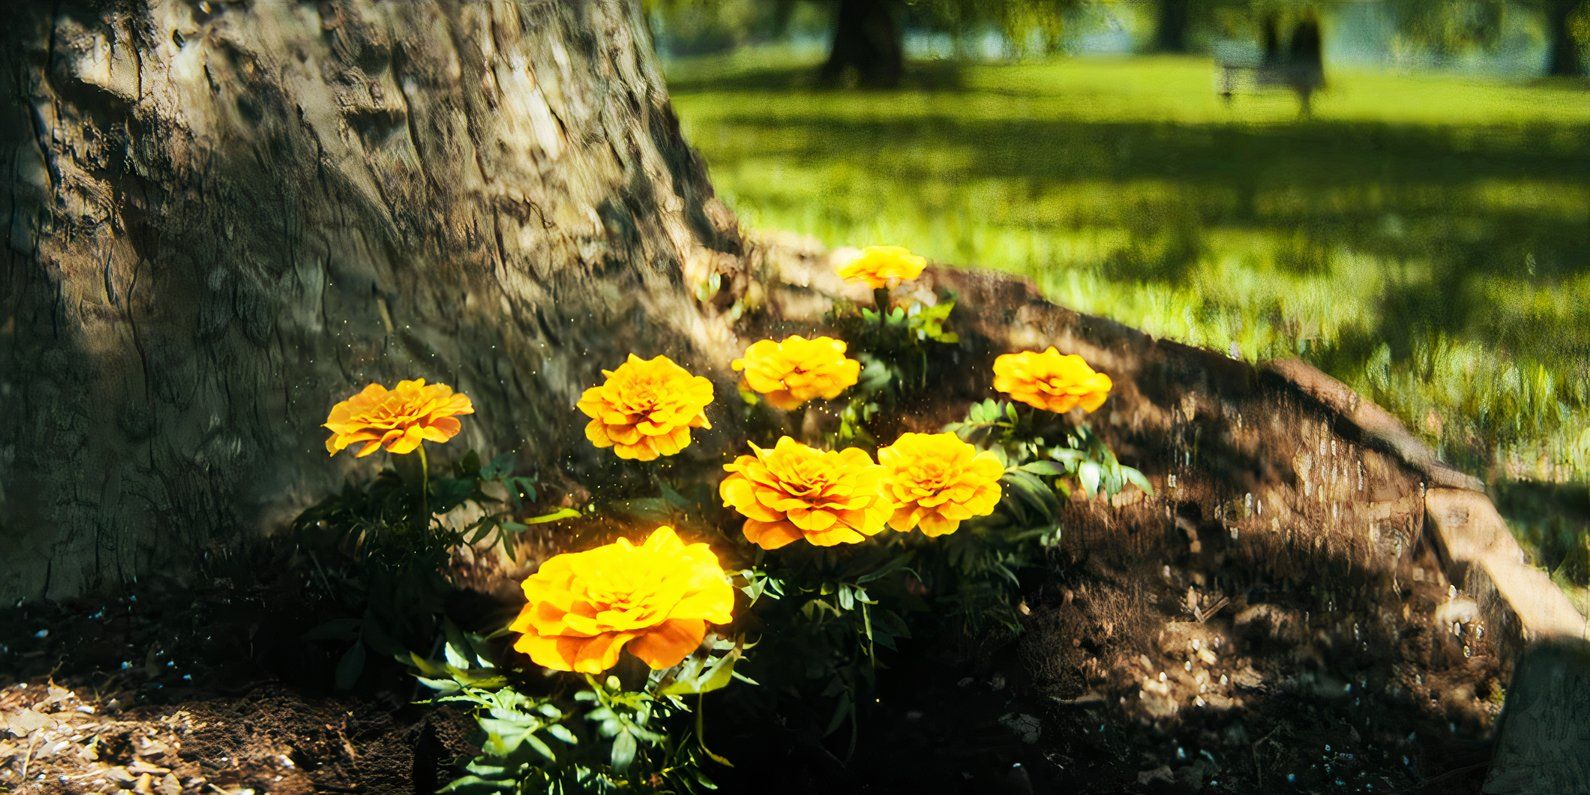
(655, 600)
(646, 408)
(1051, 381)
(797, 369)
(882, 266)
(399, 419)
(938, 481)
(796, 492)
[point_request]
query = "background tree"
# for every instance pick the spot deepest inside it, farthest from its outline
(1171, 21)
(1452, 27)
(867, 37)
(1567, 31)
(221, 220)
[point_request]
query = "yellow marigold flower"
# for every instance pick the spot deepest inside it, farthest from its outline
(796, 370)
(795, 492)
(656, 599)
(937, 481)
(883, 266)
(399, 419)
(1050, 380)
(646, 408)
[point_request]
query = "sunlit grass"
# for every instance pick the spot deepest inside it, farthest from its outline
(1424, 238)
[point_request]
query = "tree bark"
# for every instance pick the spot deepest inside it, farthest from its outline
(1170, 26)
(868, 40)
(223, 217)
(1562, 52)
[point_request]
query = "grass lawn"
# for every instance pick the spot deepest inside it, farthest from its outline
(1424, 238)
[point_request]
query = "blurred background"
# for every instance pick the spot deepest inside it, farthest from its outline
(1397, 191)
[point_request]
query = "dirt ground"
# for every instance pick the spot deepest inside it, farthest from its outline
(1144, 667)
(1267, 621)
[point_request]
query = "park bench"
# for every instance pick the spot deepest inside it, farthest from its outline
(1233, 77)
(1297, 67)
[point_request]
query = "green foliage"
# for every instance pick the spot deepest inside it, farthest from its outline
(381, 547)
(976, 572)
(394, 520)
(831, 614)
(601, 738)
(896, 346)
(1026, 25)
(1452, 27)
(1041, 450)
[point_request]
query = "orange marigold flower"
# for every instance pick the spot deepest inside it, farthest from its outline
(795, 492)
(1050, 380)
(646, 408)
(883, 266)
(399, 419)
(937, 481)
(796, 370)
(583, 608)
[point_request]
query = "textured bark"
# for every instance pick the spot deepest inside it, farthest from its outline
(224, 217)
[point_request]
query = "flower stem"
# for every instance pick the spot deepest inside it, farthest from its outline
(880, 297)
(425, 487)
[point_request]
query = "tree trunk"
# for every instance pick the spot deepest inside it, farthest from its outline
(1170, 26)
(867, 39)
(1562, 52)
(223, 218)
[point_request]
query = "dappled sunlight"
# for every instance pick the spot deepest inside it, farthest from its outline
(1411, 238)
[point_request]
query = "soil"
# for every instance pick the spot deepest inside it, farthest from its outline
(1267, 621)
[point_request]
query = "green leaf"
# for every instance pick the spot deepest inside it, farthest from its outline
(1033, 492)
(500, 465)
(1137, 479)
(562, 733)
(449, 493)
(875, 375)
(505, 735)
(1044, 469)
(624, 748)
(456, 657)
(1089, 474)
(441, 686)
(475, 785)
(427, 667)
(715, 676)
(481, 529)
(842, 710)
(351, 666)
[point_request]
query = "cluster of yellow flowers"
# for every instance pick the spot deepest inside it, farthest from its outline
(795, 492)
(656, 599)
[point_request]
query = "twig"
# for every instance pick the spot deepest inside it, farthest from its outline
(1258, 769)
(26, 760)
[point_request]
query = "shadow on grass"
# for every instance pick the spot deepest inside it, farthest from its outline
(1457, 250)
(1552, 518)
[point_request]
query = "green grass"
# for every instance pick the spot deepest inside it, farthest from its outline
(1424, 238)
